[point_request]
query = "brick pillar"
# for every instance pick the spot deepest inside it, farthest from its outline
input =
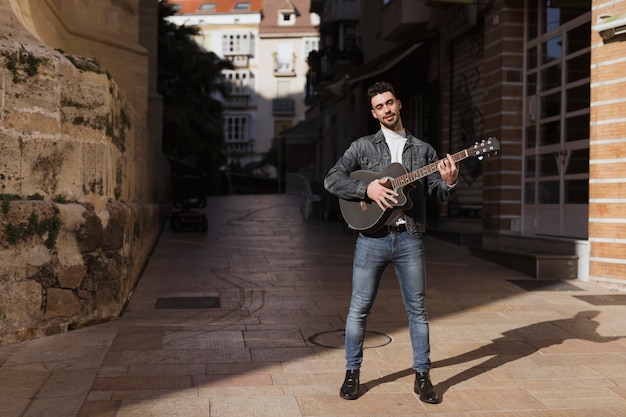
(504, 58)
(607, 166)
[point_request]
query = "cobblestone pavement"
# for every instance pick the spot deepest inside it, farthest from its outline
(246, 321)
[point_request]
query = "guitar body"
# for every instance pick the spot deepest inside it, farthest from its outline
(365, 215)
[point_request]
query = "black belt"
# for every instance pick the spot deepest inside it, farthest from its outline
(387, 230)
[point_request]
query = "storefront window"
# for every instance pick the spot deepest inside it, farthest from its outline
(556, 133)
(556, 13)
(551, 50)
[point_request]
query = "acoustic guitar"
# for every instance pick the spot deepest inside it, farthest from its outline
(366, 216)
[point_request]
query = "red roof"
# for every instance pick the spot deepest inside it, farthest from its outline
(221, 6)
(270, 24)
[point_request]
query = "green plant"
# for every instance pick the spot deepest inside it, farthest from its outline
(60, 199)
(85, 64)
(34, 226)
(23, 62)
(6, 199)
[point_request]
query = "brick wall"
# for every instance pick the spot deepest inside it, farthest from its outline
(504, 58)
(607, 166)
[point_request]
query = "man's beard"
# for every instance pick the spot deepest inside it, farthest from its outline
(392, 125)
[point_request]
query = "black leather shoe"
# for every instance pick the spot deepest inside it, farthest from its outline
(350, 388)
(424, 388)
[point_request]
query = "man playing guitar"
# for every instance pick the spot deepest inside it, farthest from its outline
(398, 240)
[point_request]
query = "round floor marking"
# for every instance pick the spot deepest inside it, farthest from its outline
(335, 339)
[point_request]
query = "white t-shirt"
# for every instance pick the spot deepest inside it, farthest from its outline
(396, 141)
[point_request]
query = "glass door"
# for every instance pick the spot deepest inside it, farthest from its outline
(556, 152)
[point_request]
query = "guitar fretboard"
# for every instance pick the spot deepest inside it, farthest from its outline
(413, 176)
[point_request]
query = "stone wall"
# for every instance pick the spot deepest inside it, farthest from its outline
(64, 265)
(82, 178)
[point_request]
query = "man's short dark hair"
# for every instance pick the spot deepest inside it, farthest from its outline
(379, 88)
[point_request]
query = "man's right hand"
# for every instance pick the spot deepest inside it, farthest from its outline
(383, 196)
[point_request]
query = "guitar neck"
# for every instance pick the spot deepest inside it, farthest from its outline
(413, 176)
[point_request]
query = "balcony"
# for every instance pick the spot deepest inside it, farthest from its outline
(239, 84)
(239, 61)
(284, 67)
(401, 18)
(285, 106)
(336, 10)
(240, 148)
(237, 44)
(236, 102)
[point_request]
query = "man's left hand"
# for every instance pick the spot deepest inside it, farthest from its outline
(448, 169)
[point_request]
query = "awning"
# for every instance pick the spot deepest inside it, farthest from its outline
(374, 67)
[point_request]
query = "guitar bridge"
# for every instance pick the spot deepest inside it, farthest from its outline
(363, 205)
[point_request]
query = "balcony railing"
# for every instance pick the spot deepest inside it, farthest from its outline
(240, 148)
(284, 67)
(239, 61)
(283, 106)
(236, 101)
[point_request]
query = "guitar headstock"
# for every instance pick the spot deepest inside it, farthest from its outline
(485, 148)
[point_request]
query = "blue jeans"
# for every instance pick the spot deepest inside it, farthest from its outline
(371, 256)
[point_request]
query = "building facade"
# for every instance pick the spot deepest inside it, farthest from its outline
(268, 42)
(542, 77)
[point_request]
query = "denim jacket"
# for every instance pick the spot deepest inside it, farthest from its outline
(371, 153)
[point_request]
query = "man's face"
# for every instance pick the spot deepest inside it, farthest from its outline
(386, 108)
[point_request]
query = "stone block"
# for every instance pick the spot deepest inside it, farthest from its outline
(97, 177)
(10, 166)
(117, 227)
(24, 297)
(72, 219)
(90, 235)
(61, 303)
(72, 276)
(49, 167)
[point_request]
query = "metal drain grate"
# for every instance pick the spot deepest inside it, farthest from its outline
(187, 303)
(544, 285)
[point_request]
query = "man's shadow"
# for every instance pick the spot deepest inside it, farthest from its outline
(514, 344)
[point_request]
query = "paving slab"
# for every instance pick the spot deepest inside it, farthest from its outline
(246, 320)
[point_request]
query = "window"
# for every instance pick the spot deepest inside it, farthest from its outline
(315, 19)
(284, 62)
(239, 82)
(283, 88)
(242, 5)
(286, 17)
(207, 7)
(236, 128)
(350, 37)
(237, 44)
(310, 45)
(556, 126)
